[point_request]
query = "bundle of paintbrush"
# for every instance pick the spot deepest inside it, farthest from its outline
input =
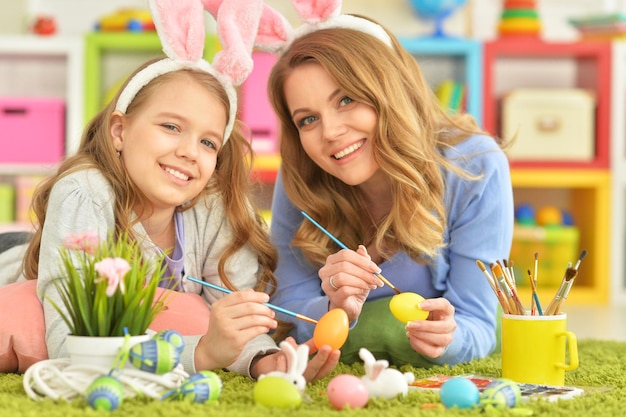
(502, 282)
(566, 285)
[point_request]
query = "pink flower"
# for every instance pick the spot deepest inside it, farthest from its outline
(85, 241)
(113, 270)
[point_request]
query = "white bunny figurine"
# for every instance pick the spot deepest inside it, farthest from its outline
(297, 361)
(382, 381)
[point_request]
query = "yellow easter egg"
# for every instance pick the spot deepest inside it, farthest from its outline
(331, 329)
(404, 307)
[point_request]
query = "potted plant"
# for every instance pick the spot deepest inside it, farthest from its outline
(107, 289)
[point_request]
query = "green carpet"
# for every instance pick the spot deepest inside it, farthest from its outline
(602, 365)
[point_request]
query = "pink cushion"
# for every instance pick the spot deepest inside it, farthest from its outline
(22, 333)
(186, 313)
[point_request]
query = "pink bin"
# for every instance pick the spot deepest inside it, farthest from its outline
(256, 110)
(32, 130)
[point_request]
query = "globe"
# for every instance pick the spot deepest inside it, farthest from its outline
(437, 10)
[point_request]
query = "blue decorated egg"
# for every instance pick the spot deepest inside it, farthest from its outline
(459, 392)
(501, 393)
(201, 387)
(105, 393)
(154, 356)
(173, 337)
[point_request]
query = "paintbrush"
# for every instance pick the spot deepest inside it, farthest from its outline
(580, 259)
(341, 244)
(272, 306)
(533, 305)
(495, 287)
(561, 294)
(514, 306)
(535, 300)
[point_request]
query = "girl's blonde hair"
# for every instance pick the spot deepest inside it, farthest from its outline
(231, 181)
(412, 132)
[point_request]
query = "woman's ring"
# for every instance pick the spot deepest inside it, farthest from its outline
(332, 284)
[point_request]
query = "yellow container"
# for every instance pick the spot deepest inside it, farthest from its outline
(556, 246)
(537, 349)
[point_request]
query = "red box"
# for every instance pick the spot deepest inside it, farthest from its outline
(32, 130)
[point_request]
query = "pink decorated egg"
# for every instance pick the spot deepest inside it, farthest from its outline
(347, 391)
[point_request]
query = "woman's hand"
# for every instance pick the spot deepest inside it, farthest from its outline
(432, 336)
(319, 366)
(347, 278)
(235, 319)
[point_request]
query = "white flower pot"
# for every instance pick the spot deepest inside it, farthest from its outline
(97, 351)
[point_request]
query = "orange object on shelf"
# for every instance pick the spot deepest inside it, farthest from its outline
(519, 18)
(126, 19)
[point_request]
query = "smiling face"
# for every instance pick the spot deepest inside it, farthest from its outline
(335, 131)
(169, 146)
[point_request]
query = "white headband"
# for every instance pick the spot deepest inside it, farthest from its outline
(180, 26)
(158, 68)
(276, 34)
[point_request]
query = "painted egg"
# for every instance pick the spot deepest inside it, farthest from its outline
(276, 392)
(347, 391)
(173, 337)
(501, 393)
(459, 392)
(405, 307)
(105, 393)
(332, 329)
(204, 386)
(155, 356)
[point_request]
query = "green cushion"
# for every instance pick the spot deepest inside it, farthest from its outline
(385, 336)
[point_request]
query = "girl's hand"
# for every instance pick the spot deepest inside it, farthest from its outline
(347, 278)
(432, 336)
(235, 319)
(319, 366)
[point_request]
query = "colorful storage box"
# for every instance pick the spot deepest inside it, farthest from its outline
(32, 130)
(556, 246)
(549, 124)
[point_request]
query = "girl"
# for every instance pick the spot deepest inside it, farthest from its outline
(165, 162)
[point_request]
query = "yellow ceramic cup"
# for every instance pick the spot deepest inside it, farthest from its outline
(534, 349)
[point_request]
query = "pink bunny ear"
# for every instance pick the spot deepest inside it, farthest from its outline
(313, 11)
(237, 25)
(180, 25)
(274, 30)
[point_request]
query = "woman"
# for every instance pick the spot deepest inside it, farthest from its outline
(369, 154)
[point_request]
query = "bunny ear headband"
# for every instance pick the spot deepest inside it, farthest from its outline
(180, 26)
(276, 34)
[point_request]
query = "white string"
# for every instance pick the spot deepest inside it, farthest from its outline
(59, 379)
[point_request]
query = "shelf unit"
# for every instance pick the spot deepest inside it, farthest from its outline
(44, 66)
(588, 198)
(452, 58)
(39, 67)
(583, 188)
(618, 167)
(513, 63)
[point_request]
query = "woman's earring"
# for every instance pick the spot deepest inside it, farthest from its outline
(119, 153)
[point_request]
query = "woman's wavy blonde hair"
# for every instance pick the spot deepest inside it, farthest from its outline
(411, 133)
(231, 180)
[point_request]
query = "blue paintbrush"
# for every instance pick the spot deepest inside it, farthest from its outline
(340, 243)
(272, 306)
